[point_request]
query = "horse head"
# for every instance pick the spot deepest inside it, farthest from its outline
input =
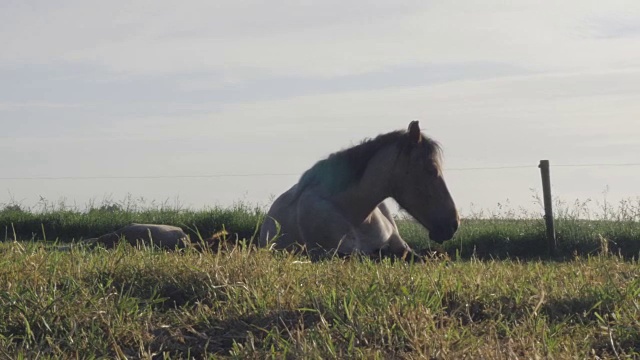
(419, 187)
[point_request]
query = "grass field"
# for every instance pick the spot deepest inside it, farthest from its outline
(255, 304)
(492, 293)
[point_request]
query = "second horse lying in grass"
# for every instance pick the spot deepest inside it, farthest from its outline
(166, 237)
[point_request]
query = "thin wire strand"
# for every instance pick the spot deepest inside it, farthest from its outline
(140, 177)
(286, 174)
(595, 165)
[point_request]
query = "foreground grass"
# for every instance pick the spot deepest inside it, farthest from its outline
(256, 304)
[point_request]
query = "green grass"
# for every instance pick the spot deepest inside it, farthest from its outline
(66, 225)
(256, 304)
(526, 238)
(494, 293)
(489, 236)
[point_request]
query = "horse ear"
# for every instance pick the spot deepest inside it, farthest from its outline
(415, 136)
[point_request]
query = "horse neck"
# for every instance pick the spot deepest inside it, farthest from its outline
(361, 199)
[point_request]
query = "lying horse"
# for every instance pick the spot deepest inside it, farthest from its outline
(337, 205)
(162, 236)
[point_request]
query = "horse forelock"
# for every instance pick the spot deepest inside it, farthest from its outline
(345, 168)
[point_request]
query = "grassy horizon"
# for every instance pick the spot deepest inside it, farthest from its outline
(500, 233)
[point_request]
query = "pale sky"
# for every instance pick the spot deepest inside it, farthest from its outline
(162, 88)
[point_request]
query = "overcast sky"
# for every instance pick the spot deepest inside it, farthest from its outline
(163, 88)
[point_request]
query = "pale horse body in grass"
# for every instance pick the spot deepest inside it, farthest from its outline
(337, 206)
(157, 235)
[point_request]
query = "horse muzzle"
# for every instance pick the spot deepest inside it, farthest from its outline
(444, 231)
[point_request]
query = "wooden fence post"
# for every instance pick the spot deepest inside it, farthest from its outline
(548, 208)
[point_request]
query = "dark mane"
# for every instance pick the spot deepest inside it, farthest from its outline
(344, 168)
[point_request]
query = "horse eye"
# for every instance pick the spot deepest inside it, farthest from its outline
(431, 168)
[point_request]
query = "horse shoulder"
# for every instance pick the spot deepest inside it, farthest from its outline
(321, 223)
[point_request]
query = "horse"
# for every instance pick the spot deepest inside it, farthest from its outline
(166, 237)
(162, 236)
(159, 236)
(337, 206)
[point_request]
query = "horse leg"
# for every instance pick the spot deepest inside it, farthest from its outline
(397, 246)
